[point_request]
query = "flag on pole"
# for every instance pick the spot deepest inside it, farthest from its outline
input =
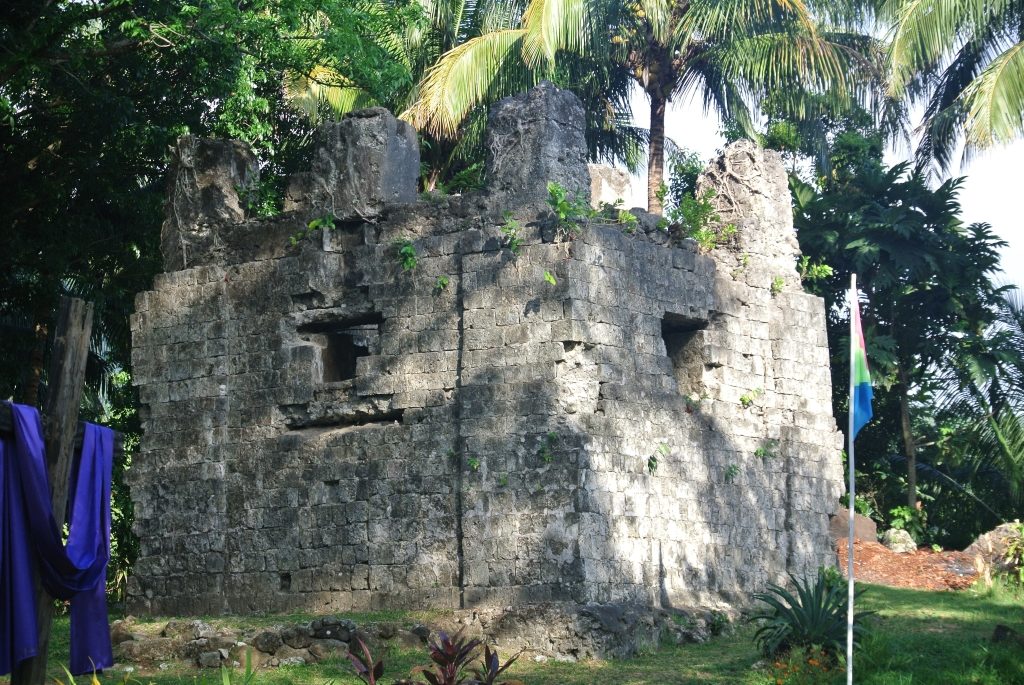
(860, 414)
(860, 377)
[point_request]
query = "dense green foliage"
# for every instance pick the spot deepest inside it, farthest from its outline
(944, 356)
(92, 95)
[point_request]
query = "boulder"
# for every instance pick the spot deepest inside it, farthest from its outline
(209, 659)
(267, 642)
(121, 630)
(899, 541)
(328, 649)
(989, 550)
(298, 637)
(147, 649)
(864, 528)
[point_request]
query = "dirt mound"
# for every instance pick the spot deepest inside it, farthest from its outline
(921, 570)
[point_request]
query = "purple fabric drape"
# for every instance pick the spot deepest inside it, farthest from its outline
(77, 571)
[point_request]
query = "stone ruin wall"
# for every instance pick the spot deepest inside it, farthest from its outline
(326, 431)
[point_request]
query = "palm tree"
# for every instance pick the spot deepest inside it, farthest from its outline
(732, 52)
(965, 60)
(442, 27)
(984, 398)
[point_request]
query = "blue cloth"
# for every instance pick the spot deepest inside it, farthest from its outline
(75, 572)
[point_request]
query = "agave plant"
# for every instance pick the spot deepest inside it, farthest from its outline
(814, 616)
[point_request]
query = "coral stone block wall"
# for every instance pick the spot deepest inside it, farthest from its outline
(325, 429)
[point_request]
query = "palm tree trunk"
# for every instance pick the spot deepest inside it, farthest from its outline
(909, 446)
(656, 151)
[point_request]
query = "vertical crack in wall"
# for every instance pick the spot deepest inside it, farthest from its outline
(460, 441)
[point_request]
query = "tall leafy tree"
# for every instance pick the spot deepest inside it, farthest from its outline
(926, 277)
(91, 96)
(965, 60)
(732, 53)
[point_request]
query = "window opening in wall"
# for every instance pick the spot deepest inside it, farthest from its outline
(684, 345)
(341, 343)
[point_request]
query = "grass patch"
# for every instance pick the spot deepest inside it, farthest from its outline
(919, 638)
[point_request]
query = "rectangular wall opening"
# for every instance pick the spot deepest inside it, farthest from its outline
(684, 345)
(341, 343)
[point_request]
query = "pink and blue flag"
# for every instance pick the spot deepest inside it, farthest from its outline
(860, 378)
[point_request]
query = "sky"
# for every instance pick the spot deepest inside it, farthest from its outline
(993, 191)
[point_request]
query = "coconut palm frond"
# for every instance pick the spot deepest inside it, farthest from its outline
(995, 100)
(556, 25)
(461, 80)
(721, 20)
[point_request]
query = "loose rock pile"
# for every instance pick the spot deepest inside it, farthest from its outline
(200, 644)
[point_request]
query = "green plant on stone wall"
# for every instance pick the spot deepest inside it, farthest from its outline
(569, 212)
(473, 463)
(406, 252)
(441, 283)
(326, 223)
(696, 218)
(731, 471)
(550, 278)
(768, 450)
(778, 283)
(660, 452)
(810, 273)
(547, 447)
(748, 398)
(510, 234)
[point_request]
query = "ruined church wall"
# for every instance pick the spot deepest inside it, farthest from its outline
(491, 443)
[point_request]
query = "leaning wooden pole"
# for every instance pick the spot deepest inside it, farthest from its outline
(60, 421)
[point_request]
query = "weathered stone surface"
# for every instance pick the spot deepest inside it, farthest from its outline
(863, 527)
(532, 139)
(297, 637)
(267, 641)
(899, 541)
(751, 191)
(332, 628)
(327, 431)
(146, 649)
(203, 192)
(361, 164)
(608, 184)
(209, 660)
(328, 649)
(121, 630)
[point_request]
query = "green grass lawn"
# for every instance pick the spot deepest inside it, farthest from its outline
(919, 638)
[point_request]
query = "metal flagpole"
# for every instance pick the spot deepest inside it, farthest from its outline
(851, 500)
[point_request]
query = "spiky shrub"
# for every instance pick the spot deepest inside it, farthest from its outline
(451, 657)
(491, 667)
(367, 669)
(813, 616)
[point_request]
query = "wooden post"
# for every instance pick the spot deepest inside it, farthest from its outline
(60, 421)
